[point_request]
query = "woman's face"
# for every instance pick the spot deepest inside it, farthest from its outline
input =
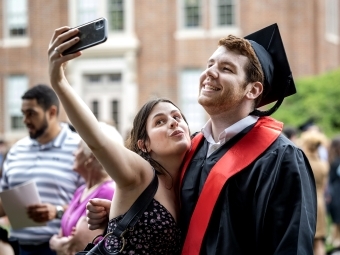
(79, 160)
(167, 130)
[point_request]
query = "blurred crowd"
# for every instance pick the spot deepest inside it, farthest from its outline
(323, 154)
(66, 174)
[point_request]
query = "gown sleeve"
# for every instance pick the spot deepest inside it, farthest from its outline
(288, 221)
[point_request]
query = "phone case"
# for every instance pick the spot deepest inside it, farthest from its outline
(90, 34)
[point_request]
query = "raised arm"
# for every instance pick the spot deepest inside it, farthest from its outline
(123, 165)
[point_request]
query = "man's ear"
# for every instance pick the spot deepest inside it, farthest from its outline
(255, 90)
(53, 111)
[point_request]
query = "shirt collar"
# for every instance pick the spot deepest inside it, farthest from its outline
(229, 132)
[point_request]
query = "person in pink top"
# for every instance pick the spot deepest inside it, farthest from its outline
(74, 233)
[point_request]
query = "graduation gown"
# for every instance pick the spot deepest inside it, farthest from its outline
(267, 208)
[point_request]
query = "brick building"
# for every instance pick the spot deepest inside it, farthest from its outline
(154, 48)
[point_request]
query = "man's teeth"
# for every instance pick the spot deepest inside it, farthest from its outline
(211, 87)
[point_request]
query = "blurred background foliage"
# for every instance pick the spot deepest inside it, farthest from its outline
(317, 97)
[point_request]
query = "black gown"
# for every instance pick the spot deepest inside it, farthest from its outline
(334, 189)
(267, 208)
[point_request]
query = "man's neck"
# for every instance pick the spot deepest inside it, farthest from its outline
(219, 122)
(51, 133)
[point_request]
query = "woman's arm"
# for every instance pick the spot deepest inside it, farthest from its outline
(123, 165)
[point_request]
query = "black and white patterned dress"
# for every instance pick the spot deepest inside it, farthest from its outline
(156, 232)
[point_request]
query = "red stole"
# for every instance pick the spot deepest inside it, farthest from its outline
(241, 155)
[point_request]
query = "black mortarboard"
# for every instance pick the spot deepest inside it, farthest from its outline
(307, 124)
(268, 46)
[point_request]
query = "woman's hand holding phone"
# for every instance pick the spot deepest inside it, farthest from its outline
(60, 41)
(66, 44)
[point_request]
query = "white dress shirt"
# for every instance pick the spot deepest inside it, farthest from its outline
(226, 134)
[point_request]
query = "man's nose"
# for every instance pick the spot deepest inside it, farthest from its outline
(24, 119)
(211, 72)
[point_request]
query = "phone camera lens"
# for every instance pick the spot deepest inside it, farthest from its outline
(99, 24)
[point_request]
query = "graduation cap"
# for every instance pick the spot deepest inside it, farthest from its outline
(307, 124)
(278, 80)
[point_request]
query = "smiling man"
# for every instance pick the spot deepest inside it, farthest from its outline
(46, 157)
(246, 189)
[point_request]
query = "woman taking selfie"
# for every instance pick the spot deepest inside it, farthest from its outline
(158, 142)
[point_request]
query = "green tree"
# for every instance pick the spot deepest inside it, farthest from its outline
(317, 97)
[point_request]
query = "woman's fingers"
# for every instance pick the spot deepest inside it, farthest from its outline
(57, 32)
(97, 214)
(62, 40)
(96, 221)
(100, 202)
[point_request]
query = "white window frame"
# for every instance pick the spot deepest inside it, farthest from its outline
(124, 18)
(223, 30)
(121, 40)
(102, 11)
(184, 32)
(332, 21)
(8, 40)
(213, 31)
(184, 15)
(189, 91)
(124, 91)
(15, 87)
(215, 17)
(86, 11)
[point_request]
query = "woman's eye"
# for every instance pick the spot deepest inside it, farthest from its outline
(159, 122)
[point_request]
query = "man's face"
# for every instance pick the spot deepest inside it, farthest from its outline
(34, 117)
(222, 84)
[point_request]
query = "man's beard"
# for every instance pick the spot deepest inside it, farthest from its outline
(41, 130)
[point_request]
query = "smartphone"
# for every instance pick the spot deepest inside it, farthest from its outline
(90, 34)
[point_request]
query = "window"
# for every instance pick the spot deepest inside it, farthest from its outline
(332, 19)
(115, 11)
(193, 111)
(116, 15)
(87, 11)
(105, 106)
(103, 79)
(115, 77)
(95, 108)
(225, 12)
(16, 17)
(192, 13)
(93, 78)
(115, 112)
(16, 85)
